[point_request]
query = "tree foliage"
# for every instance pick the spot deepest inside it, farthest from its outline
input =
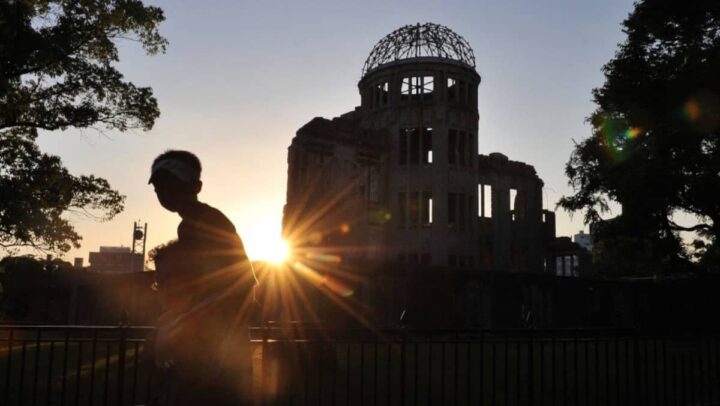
(654, 147)
(57, 72)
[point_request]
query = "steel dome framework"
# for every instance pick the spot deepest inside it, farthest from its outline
(417, 41)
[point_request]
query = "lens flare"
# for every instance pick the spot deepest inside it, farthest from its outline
(692, 110)
(329, 282)
(333, 259)
(632, 132)
(702, 111)
(615, 134)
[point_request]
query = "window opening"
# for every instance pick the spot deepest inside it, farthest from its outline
(426, 207)
(451, 89)
(461, 211)
(402, 147)
(427, 145)
(452, 146)
(469, 211)
(417, 85)
(487, 201)
(428, 84)
(452, 209)
(513, 197)
(414, 145)
(413, 209)
(462, 94)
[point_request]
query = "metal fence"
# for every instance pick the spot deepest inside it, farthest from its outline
(302, 365)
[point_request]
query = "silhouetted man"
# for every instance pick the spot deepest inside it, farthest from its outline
(206, 282)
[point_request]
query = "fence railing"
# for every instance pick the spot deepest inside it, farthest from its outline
(303, 365)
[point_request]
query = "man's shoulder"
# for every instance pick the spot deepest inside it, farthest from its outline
(211, 215)
(206, 220)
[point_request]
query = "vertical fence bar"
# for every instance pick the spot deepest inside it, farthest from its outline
(442, 373)
(493, 376)
(264, 355)
(333, 388)
(148, 385)
(646, 364)
(607, 369)
(530, 373)
(48, 394)
(553, 379)
(93, 349)
(375, 372)
(627, 381)
(347, 373)
(403, 344)
(655, 384)
(481, 372)
(565, 344)
(388, 386)
(468, 375)
(133, 391)
(430, 369)
(121, 366)
(36, 369)
(518, 369)
(455, 371)
(21, 387)
(542, 343)
(666, 372)
(417, 371)
(8, 365)
(66, 348)
(586, 365)
(576, 364)
(321, 367)
(705, 361)
(683, 376)
(716, 360)
(303, 362)
(596, 386)
(506, 380)
(106, 384)
(362, 373)
(693, 370)
(78, 373)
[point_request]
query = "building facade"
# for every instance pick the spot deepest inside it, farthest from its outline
(116, 260)
(399, 178)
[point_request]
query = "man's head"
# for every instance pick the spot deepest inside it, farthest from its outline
(176, 178)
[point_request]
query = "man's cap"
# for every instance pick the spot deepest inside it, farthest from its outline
(180, 169)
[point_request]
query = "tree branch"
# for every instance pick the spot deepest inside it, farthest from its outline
(676, 227)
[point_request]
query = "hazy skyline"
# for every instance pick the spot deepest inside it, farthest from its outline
(239, 78)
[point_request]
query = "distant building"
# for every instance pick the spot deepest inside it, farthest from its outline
(399, 178)
(583, 240)
(116, 260)
(571, 259)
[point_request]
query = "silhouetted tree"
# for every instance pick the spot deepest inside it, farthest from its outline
(655, 143)
(56, 72)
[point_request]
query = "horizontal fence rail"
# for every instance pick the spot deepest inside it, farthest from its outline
(305, 365)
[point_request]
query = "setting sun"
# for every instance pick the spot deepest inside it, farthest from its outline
(262, 245)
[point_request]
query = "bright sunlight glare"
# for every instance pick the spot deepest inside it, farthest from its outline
(265, 245)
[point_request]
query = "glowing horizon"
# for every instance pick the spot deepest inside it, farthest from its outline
(235, 89)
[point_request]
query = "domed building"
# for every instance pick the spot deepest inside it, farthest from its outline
(399, 178)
